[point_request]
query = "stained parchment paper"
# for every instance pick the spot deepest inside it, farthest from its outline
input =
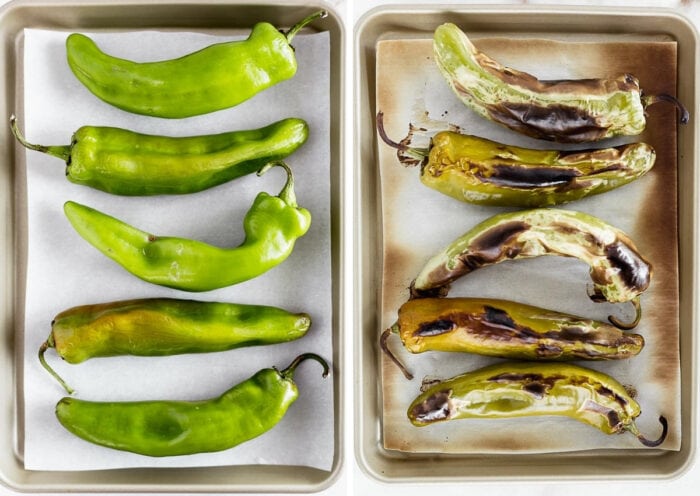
(418, 222)
(64, 270)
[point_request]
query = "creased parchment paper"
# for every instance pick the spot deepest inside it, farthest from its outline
(418, 222)
(64, 270)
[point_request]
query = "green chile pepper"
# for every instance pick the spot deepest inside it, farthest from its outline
(520, 389)
(166, 326)
(123, 162)
(171, 428)
(477, 170)
(214, 78)
(272, 226)
(618, 270)
(505, 329)
(572, 111)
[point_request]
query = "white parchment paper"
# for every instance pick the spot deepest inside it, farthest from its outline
(64, 270)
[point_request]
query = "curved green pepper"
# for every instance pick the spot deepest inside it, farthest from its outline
(565, 111)
(214, 78)
(166, 326)
(171, 428)
(505, 329)
(522, 389)
(123, 162)
(618, 271)
(272, 226)
(484, 172)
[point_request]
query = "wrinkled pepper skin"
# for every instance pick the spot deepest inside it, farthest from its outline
(619, 272)
(272, 225)
(573, 111)
(124, 162)
(217, 77)
(484, 172)
(166, 326)
(171, 428)
(523, 389)
(509, 329)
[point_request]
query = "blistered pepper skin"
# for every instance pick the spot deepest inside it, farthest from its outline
(217, 77)
(272, 225)
(171, 428)
(509, 329)
(619, 272)
(123, 162)
(573, 111)
(525, 389)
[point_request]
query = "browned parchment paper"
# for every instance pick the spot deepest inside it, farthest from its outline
(418, 221)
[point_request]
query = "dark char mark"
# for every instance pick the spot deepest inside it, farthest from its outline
(633, 270)
(515, 176)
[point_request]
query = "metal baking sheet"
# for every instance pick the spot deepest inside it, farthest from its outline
(399, 38)
(218, 18)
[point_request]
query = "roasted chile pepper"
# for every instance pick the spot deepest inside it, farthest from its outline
(214, 78)
(166, 326)
(521, 389)
(505, 329)
(272, 226)
(171, 428)
(477, 170)
(573, 111)
(123, 162)
(618, 270)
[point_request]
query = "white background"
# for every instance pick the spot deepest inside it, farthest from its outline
(352, 480)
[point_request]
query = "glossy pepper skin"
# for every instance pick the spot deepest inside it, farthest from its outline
(171, 428)
(573, 111)
(272, 226)
(506, 329)
(124, 162)
(618, 270)
(524, 389)
(166, 326)
(484, 172)
(214, 78)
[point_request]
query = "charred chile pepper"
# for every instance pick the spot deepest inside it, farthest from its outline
(519, 389)
(170, 428)
(166, 326)
(505, 329)
(123, 162)
(272, 226)
(572, 111)
(618, 270)
(214, 78)
(477, 170)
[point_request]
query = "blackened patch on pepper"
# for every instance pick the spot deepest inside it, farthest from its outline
(498, 317)
(435, 328)
(494, 243)
(434, 408)
(553, 122)
(634, 271)
(517, 176)
(536, 389)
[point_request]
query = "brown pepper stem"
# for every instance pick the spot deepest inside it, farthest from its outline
(385, 348)
(651, 443)
(417, 153)
(42, 349)
(665, 97)
(631, 325)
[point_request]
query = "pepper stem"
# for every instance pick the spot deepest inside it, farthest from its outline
(288, 373)
(651, 443)
(62, 152)
(287, 194)
(385, 348)
(631, 325)
(42, 349)
(301, 24)
(417, 153)
(665, 97)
